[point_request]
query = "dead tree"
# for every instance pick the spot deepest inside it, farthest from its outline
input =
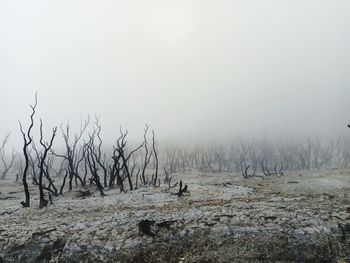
(7, 164)
(4, 142)
(19, 167)
(182, 190)
(219, 157)
(265, 170)
(60, 170)
(167, 177)
(93, 166)
(156, 160)
(27, 138)
(121, 144)
(85, 166)
(137, 178)
(120, 169)
(126, 168)
(171, 159)
(46, 148)
(72, 153)
(115, 171)
(247, 175)
(63, 183)
(117, 166)
(81, 155)
(275, 171)
(34, 163)
(147, 157)
(281, 170)
(51, 187)
(98, 152)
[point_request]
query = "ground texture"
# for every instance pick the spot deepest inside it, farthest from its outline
(299, 217)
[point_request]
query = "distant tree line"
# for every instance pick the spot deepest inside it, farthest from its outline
(259, 155)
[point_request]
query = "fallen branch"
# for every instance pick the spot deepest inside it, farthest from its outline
(9, 212)
(38, 234)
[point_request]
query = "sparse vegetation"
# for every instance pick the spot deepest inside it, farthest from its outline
(176, 198)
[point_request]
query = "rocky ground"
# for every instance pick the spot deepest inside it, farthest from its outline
(299, 217)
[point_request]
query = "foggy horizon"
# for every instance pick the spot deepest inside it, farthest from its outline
(192, 70)
(238, 131)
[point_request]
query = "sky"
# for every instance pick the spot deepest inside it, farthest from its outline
(192, 69)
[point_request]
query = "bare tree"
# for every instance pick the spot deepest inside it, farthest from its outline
(117, 166)
(120, 169)
(27, 138)
(101, 160)
(6, 164)
(4, 142)
(247, 175)
(171, 159)
(147, 156)
(93, 166)
(72, 153)
(34, 163)
(19, 168)
(156, 160)
(46, 146)
(58, 170)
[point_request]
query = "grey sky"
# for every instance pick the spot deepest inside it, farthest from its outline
(188, 68)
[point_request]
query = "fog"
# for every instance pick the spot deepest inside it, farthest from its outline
(193, 70)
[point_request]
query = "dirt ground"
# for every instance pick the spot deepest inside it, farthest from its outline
(298, 217)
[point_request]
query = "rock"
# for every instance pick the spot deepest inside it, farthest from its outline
(58, 246)
(221, 230)
(299, 233)
(109, 246)
(45, 254)
(145, 227)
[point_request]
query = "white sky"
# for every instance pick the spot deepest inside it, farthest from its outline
(188, 68)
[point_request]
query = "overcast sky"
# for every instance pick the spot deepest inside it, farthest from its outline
(189, 68)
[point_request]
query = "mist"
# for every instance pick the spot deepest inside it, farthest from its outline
(193, 70)
(174, 131)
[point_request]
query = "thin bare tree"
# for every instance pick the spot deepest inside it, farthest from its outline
(46, 148)
(72, 155)
(147, 156)
(27, 139)
(156, 160)
(7, 164)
